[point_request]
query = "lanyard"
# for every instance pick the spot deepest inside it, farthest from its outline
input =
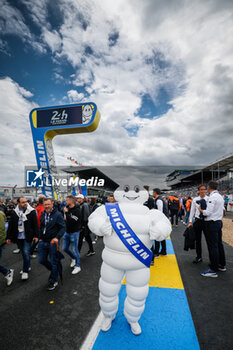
(47, 217)
(20, 221)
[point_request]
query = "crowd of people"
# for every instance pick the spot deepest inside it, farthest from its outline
(201, 214)
(39, 227)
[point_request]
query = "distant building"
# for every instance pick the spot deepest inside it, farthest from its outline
(220, 171)
(180, 177)
(12, 192)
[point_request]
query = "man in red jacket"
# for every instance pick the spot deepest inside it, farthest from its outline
(40, 209)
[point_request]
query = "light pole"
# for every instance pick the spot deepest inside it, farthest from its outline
(13, 191)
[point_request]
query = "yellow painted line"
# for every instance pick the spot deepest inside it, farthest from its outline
(165, 273)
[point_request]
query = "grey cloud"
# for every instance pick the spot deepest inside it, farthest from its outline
(38, 10)
(155, 12)
(216, 6)
(163, 131)
(12, 21)
(105, 146)
(223, 82)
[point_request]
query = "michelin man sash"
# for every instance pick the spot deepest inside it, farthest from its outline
(126, 234)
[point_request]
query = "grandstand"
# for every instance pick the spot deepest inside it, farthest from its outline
(188, 180)
(177, 178)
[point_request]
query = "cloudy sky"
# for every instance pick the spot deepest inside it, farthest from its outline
(160, 72)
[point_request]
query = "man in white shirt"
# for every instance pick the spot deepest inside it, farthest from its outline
(197, 220)
(213, 232)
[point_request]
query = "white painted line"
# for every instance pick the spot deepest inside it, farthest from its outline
(93, 334)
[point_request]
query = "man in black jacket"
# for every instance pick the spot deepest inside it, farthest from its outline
(23, 229)
(160, 205)
(85, 232)
(150, 203)
(71, 237)
(196, 220)
(52, 228)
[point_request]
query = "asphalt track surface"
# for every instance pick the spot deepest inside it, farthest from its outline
(33, 318)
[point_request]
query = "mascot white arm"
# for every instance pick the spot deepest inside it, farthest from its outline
(99, 222)
(160, 227)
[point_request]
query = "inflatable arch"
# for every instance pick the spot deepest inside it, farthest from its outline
(48, 122)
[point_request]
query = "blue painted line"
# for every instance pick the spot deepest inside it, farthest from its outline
(169, 245)
(166, 324)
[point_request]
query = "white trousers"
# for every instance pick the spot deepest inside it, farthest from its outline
(137, 290)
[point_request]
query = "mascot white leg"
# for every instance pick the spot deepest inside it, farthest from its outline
(109, 286)
(137, 290)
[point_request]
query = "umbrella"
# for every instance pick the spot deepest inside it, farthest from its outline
(59, 256)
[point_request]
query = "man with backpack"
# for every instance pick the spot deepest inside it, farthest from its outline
(174, 207)
(188, 208)
(160, 205)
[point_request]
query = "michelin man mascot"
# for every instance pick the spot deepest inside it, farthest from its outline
(128, 228)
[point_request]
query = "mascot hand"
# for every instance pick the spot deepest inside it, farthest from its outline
(159, 230)
(106, 228)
